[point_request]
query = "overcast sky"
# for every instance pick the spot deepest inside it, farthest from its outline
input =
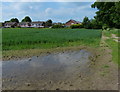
(42, 11)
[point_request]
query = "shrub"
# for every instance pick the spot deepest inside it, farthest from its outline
(12, 26)
(76, 26)
(57, 26)
(104, 27)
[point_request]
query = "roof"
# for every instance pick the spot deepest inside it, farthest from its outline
(23, 23)
(73, 21)
(36, 22)
(10, 23)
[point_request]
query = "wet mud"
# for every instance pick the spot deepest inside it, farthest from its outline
(47, 72)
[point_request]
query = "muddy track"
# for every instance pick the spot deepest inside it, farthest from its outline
(106, 71)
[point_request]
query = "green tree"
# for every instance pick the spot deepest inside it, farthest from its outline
(1, 24)
(14, 20)
(27, 19)
(48, 23)
(108, 13)
(115, 16)
(95, 24)
(76, 26)
(86, 23)
(58, 26)
(6, 21)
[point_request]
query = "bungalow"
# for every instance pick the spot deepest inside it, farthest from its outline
(23, 24)
(10, 24)
(71, 22)
(39, 24)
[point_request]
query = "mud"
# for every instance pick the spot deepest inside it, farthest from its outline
(50, 71)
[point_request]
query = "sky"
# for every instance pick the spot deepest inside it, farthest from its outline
(42, 11)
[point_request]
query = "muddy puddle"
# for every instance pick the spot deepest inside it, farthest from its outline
(48, 72)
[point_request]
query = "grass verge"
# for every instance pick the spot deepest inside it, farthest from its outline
(113, 45)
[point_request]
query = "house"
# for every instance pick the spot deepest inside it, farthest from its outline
(10, 24)
(23, 24)
(71, 22)
(39, 24)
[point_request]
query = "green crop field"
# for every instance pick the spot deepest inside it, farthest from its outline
(35, 38)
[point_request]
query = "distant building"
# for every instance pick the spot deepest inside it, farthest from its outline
(39, 24)
(10, 24)
(71, 22)
(23, 24)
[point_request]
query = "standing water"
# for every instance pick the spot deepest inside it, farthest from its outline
(51, 71)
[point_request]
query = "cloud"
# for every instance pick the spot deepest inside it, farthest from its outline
(60, 0)
(42, 11)
(48, 10)
(17, 9)
(48, 1)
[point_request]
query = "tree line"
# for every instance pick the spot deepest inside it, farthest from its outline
(48, 23)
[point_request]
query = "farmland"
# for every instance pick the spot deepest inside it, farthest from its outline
(35, 38)
(56, 48)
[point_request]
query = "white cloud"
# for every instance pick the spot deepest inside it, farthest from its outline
(48, 10)
(62, 13)
(48, 0)
(59, 0)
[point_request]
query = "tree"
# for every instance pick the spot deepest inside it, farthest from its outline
(14, 20)
(58, 26)
(6, 21)
(1, 24)
(108, 13)
(116, 15)
(43, 24)
(27, 19)
(86, 23)
(48, 23)
(76, 26)
(95, 24)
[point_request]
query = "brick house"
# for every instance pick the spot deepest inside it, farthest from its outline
(39, 24)
(70, 22)
(23, 24)
(10, 24)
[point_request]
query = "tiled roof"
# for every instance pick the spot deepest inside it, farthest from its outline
(36, 22)
(23, 23)
(73, 21)
(10, 23)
